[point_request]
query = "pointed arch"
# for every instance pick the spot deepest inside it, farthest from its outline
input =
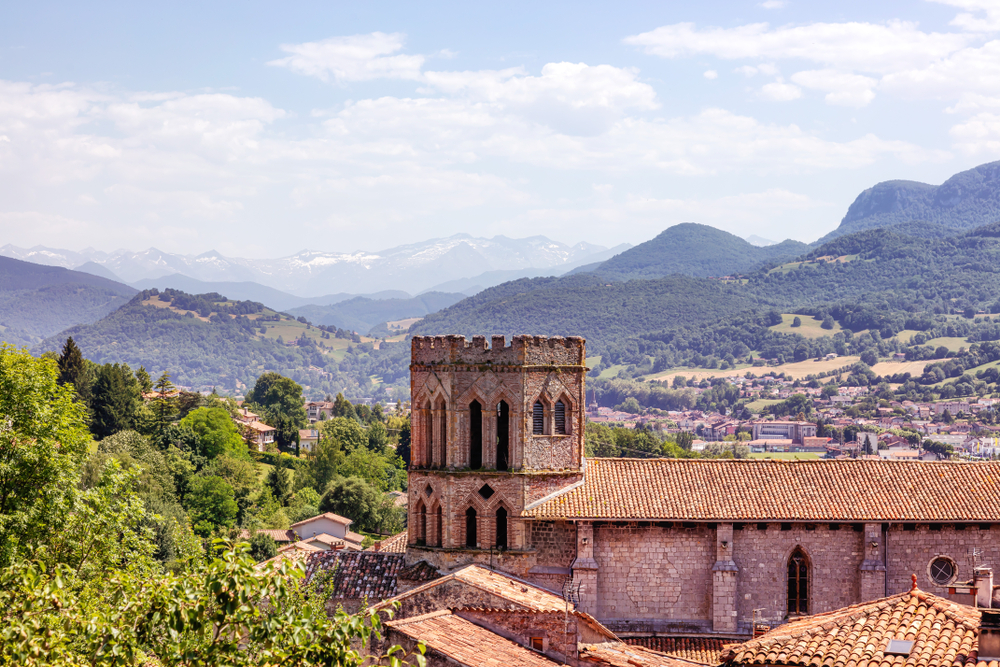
(502, 523)
(437, 524)
(538, 417)
(503, 436)
(475, 435)
(798, 582)
(471, 527)
(420, 523)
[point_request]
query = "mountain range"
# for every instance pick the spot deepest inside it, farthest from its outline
(415, 267)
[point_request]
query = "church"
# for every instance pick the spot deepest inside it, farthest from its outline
(498, 477)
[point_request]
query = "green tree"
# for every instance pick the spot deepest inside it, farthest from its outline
(116, 400)
(262, 547)
(280, 396)
(165, 403)
(343, 408)
(353, 498)
(280, 481)
(43, 441)
(145, 382)
(797, 321)
(75, 370)
(216, 432)
(324, 464)
(348, 432)
(378, 437)
(241, 474)
(211, 504)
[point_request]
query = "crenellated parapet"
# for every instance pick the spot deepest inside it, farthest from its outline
(523, 351)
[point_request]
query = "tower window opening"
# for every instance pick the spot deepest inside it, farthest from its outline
(560, 415)
(538, 418)
(470, 528)
(798, 583)
(475, 435)
(503, 436)
(501, 541)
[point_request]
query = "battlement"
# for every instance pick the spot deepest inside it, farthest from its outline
(523, 350)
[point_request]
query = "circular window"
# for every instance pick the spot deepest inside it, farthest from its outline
(942, 570)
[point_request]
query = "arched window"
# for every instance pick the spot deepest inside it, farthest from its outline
(475, 435)
(538, 418)
(470, 528)
(427, 453)
(560, 415)
(422, 524)
(438, 527)
(798, 583)
(443, 449)
(501, 542)
(503, 436)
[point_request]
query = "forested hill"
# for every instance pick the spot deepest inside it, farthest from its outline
(966, 200)
(37, 301)
(875, 271)
(695, 250)
(207, 341)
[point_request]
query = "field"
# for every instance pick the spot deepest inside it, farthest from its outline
(791, 266)
(905, 335)
(402, 325)
(953, 344)
(761, 403)
(914, 368)
(796, 371)
(787, 456)
(810, 328)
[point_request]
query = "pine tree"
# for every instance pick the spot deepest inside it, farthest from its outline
(164, 403)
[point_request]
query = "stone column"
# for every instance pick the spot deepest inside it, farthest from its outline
(433, 456)
(872, 568)
(724, 574)
(585, 567)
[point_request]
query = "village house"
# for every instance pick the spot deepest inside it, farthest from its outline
(319, 410)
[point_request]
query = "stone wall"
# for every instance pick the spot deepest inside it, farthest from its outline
(654, 572)
(762, 558)
(911, 551)
(557, 631)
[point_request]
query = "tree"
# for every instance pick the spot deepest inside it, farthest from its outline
(74, 370)
(797, 321)
(211, 504)
(280, 482)
(281, 396)
(325, 463)
(348, 432)
(42, 443)
(116, 400)
(262, 547)
(216, 432)
(164, 405)
(869, 357)
(828, 322)
(353, 498)
(145, 382)
(378, 437)
(343, 408)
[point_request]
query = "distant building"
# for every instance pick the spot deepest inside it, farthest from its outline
(784, 430)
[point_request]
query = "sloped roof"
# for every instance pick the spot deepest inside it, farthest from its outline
(420, 571)
(762, 489)
(613, 654)
(945, 634)
(284, 536)
(326, 515)
(467, 643)
(357, 574)
(394, 544)
(704, 650)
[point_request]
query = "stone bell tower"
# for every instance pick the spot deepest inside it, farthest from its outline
(494, 428)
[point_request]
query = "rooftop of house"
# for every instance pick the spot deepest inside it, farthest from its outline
(775, 490)
(943, 633)
(326, 515)
(703, 650)
(615, 654)
(394, 544)
(279, 536)
(467, 643)
(357, 574)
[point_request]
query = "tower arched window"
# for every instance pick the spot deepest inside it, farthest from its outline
(503, 436)
(475, 435)
(438, 528)
(798, 583)
(422, 524)
(501, 541)
(538, 418)
(560, 417)
(470, 528)
(427, 452)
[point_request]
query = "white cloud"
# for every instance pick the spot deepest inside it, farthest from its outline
(969, 19)
(779, 91)
(711, 74)
(773, 4)
(978, 135)
(867, 47)
(354, 58)
(968, 71)
(842, 88)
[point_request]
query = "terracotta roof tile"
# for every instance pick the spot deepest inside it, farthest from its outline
(467, 643)
(394, 544)
(421, 571)
(705, 650)
(326, 515)
(616, 654)
(945, 634)
(742, 490)
(357, 574)
(281, 536)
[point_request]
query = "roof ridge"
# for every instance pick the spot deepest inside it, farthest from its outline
(421, 617)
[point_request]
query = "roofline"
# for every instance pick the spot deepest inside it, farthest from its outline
(558, 492)
(657, 519)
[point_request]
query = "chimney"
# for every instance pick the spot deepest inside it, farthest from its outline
(989, 635)
(983, 581)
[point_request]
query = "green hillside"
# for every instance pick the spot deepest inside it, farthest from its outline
(362, 314)
(37, 301)
(694, 250)
(207, 341)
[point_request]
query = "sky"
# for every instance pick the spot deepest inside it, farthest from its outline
(259, 129)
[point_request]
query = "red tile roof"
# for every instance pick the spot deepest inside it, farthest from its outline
(467, 643)
(357, 574)
(326, 515)
(280, 536)
(394, 544)
(945, 634)
(421, 571)
(704, 650)
(748, 490)
(613, 654)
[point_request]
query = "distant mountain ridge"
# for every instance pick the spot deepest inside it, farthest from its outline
(697, 250)
(414, 267)
(965, 201)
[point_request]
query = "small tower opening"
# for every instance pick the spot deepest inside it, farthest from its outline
(475, 435)
(538, 418)
(501, 541)
(503, 436)
(560, 417)
(470, 528)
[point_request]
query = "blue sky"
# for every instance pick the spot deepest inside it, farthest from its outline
(260, 129)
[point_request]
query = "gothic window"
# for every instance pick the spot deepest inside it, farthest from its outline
(538, 418)
(475, 435)
(560, 415)
(438, 528)
(470, 528)
(503, 436)
(798, 583)
(421, 527)
(501, 541)
(425, 459)
(443, 432)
